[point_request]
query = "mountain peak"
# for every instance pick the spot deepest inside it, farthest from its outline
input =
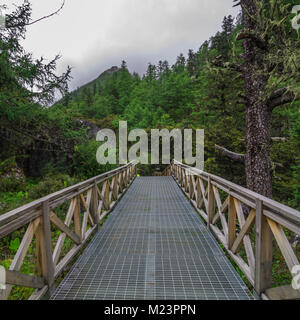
(112, 70)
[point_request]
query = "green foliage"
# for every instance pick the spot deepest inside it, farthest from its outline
(50, 184)
(14, 245)
(85, 164)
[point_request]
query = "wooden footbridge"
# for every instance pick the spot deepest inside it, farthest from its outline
(181, 236)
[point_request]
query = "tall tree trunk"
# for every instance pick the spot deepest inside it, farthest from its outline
(257, 161)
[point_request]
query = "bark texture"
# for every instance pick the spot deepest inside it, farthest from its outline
(258, 114)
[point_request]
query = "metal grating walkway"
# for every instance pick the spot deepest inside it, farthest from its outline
(153, 246)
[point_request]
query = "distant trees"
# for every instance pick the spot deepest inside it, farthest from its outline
(26, 84)
(207, 90)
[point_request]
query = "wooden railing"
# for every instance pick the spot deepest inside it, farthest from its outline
(83, 206)
(245, 223)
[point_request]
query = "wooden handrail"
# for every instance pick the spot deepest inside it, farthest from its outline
(88, 207)
(227, 220)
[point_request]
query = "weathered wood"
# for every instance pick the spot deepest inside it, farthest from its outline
(105, 195)
(64, 228)
(114, 189)
(245, 231)
(70, 255)
(77, 218)
(204, 195)
(199, 194)
(24, 280)
(283, 293)
(263, 265)
(225, 205)
(286, 211)
(94, 205)
(46, 246)
(211, 203)
(231, 222)
(38, 294)
(21, 253)
(284, 245)
(220, 213)
(62, 236)
(86, 206)
(246, 238)
(283, 221)
(18, 223)
(192, 187)
(33, 209)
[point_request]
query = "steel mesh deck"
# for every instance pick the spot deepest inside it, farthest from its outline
(153, 246)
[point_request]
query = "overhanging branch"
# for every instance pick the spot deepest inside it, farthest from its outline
(239, 157)
(248, 34)
(232, 155)
(35, 21)
(281, 97)
(227, 65)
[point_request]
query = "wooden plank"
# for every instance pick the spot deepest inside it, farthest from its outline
(62, 236)
(201, 212)
(46, 246)
(115, 188)
(245, 230)
(193, 193)
(211, 203)
(231, 222)
(64, 228)
(24, 280)
(38, 251)
(21, 253)
(284, 245)
(237, 259)
(18, 223)
(77, 218)
(204, 195)
(105, 194)
(25, 243)
(70, 255)
(263, 248)
(220, 213)
(199, 194)
(86, 205)
(283, 221)
(38, 294)
(283, 293)
(246, 238)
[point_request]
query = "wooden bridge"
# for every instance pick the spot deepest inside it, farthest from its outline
(168, 237)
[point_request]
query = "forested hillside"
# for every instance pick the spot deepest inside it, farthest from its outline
(44, 148)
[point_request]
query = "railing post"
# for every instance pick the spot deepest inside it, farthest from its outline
(46, 259)
(77, 218)
(211, 203)
(94, 205)
(263, 259)
(231, 222)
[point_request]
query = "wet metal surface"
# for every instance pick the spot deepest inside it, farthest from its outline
(153, 246)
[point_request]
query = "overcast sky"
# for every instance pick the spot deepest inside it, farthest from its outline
(93, 35)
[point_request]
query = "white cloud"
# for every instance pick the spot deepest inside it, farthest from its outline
(93, 35)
